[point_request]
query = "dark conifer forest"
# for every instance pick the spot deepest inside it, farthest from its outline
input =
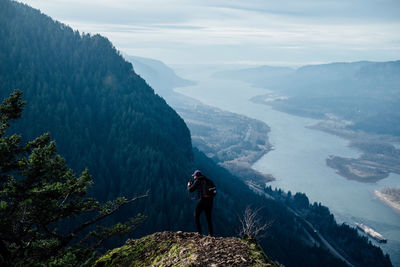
(102, 115)
(105, 117)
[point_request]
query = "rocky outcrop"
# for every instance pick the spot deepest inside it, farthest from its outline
(186, 249)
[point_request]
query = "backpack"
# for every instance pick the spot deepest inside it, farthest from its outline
(208, 189)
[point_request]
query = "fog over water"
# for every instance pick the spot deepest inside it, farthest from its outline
(298, 159)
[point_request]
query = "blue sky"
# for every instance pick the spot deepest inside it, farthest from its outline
(285, 32)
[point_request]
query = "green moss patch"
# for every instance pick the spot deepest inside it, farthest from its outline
(186, 249)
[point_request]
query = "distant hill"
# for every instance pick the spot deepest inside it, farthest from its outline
(232, 140)
(200, 119)
(157, 74)
(366, 93)
(105, 117)
(255, 75)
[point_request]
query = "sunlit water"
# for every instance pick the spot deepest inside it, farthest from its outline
(298, 161)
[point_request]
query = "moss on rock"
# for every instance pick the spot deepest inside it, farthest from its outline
(186, 249)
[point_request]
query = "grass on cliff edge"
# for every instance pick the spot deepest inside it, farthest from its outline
(185, 249)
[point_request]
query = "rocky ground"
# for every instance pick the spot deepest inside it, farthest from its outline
(186, 249)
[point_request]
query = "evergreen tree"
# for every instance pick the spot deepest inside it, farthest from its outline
(40, 197)
(105, 117)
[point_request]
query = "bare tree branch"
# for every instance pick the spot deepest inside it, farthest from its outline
(251, 225)
(65, 199)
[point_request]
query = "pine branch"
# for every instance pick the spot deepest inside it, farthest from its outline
(68, 238)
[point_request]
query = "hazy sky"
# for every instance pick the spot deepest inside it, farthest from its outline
(284, 32)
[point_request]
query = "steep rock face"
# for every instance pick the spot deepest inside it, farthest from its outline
(186, 249)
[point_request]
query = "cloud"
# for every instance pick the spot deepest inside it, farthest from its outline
(180, 31)
(327, 9)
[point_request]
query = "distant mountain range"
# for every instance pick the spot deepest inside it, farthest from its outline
(212, 128)
(233, 141)
(157, 74)
(366, 93)
(105, 117)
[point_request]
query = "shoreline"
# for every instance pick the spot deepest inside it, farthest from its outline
(386, 200)
(350, 169)
(344, 217)
(371, 166)
(233, 140)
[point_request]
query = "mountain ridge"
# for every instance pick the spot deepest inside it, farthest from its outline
(233, 141)
(104, 116)
(364, 92)
(157, 74)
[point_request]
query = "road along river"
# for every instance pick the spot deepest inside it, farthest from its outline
(298, 159)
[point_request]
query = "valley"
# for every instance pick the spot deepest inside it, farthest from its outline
(75, 103)
(236, 142)
(379, 156)
(298, 160)
(232, 140)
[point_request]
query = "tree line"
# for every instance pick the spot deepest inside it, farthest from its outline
(105, 118)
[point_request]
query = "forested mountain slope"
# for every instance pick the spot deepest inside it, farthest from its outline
(105, 117)
(102, 115)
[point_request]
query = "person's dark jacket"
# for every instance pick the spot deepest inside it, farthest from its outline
(196, 185)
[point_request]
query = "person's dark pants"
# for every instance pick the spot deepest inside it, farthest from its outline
(204, 204)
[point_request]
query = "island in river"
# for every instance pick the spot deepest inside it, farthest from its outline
(390, 196)
(379, 156)
(358, 101)
(378, 159)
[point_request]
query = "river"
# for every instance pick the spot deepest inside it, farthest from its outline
(298, 159)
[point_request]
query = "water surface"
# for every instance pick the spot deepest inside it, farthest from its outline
(298, 160)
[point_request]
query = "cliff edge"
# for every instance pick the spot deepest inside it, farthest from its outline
(186, 249)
